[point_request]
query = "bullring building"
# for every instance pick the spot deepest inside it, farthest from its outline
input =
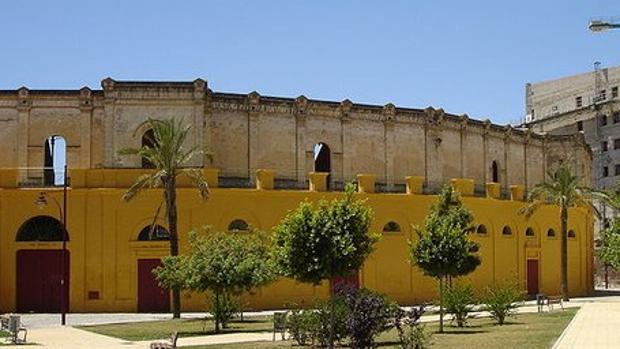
(269, 153)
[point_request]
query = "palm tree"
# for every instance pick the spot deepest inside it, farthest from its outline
(169, 158)
(564, 190)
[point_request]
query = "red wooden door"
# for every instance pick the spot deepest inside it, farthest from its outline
(532, 276)
(351, 281)
(151, 297)
(39, 273)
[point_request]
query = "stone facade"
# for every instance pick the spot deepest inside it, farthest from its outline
(246, 132)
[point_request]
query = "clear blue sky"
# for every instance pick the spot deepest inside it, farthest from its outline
(464, 56)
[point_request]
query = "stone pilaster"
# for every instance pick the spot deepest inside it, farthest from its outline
(253, 101)
(344, 111)
(109, 111)
(198, 122)
(389, 115)
(301, 105)
(86, 115)
(24, 104)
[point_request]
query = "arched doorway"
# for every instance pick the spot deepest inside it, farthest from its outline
(54, 160)
(322, 160)
(494, 172)
(148, 140)
(151, 297)
(39, 272)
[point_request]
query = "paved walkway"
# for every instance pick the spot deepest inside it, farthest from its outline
(596, 325)
(73, 338)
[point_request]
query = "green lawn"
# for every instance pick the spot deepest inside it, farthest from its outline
(531, 331)
(137, 331)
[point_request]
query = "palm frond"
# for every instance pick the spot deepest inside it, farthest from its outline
(149, 180)
(198, 181)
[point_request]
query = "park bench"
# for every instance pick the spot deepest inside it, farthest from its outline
(279, 324)
(551, 300)
(170, 344)
(12, 325)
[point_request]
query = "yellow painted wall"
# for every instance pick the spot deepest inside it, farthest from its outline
(104, 252)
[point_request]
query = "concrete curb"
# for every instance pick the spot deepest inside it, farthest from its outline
(568, 327)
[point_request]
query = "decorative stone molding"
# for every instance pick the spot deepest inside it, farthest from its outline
(108, 84)
(366, 183)
(23, 99)
(463, 186)
(464, 120)
(265, 179)
(253, 103)
(389, 113)
(415, 184)
(345, 110)
(301, 104)
(86, 99)
(517, 192)
(508, 131)
(493, 190)
(200, 88)
(487, 126)
(434, 117)
(318, 181)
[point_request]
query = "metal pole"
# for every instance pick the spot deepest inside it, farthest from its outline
(63, 301)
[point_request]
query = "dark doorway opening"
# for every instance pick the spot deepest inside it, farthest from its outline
(39, 273)
(494, 172)
(322, 160)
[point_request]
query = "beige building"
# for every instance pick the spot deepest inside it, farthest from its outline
(292, 136)
(572, 93)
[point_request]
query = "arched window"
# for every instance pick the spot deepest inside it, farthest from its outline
(322, 159)
(494, 172)
(391, 227)
(481, 230)
(572, 234)
(148, 140)
(550, 233)
(41, 228)
(506, 231)
(238, 225)
(54, 160)
(153, 233)
(529, 232)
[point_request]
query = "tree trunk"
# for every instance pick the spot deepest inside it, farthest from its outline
(171, 213)
(440, 304)
(564, 253)
(332, 320)
(215, 318)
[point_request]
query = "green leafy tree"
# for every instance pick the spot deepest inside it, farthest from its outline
(172, 274)
(443, 249)
(169, 157)
(564, 190)
(227, 264)
(312, 245)
(609, 251)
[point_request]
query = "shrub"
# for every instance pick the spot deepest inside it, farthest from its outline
(458, 302)
(320, 321)
(411, 332)
(223, 308)
(502, 300)
(369, 314)
(300, 324)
